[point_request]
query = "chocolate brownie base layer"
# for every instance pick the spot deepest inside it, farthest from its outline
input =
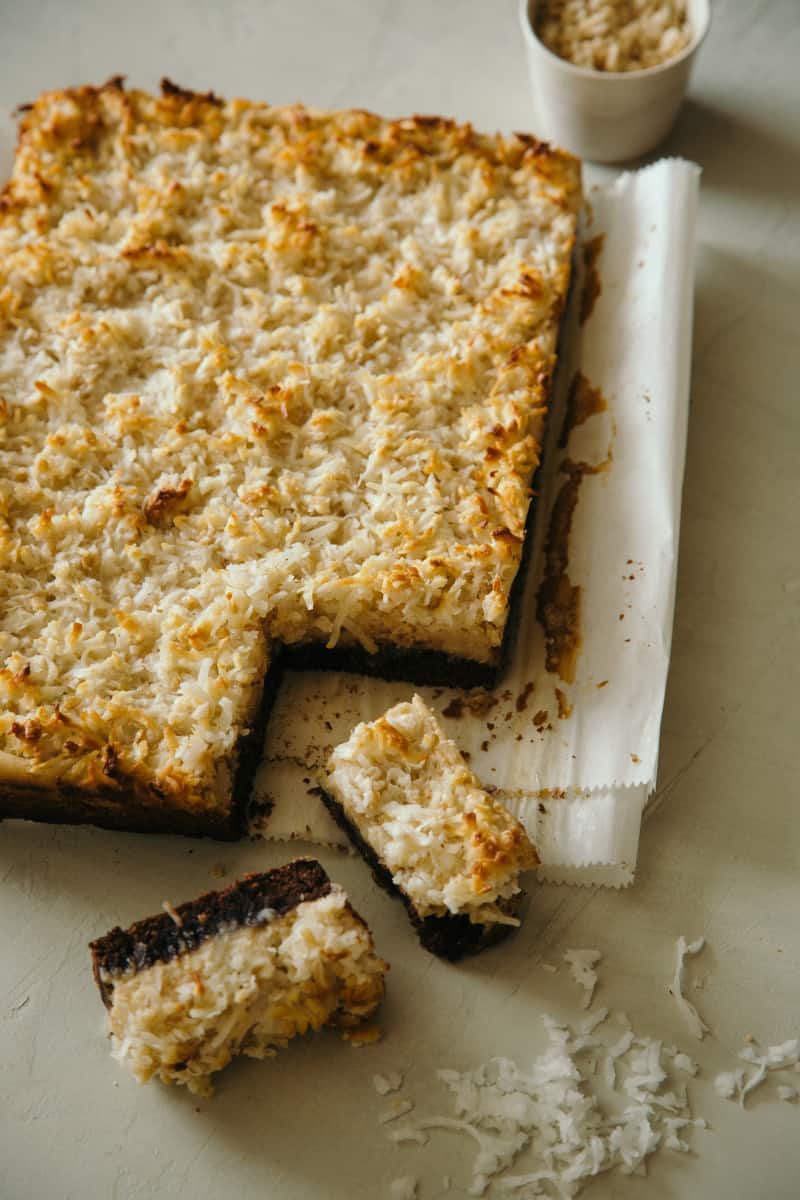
(451, 937)
(251, 749)
(426, 668)
(112, 809)
(161, 938)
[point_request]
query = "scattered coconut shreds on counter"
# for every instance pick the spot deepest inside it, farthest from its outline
(398, 1108)
(683, 1062)
(553, 1112)
(737, 1084)
(581, 964)
(407, 1134)
(728, 1083)
(384, 1084)
(591, 1102)
(697, 1025)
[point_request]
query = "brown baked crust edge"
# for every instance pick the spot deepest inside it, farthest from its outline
(422, 667)
(162, 938)
(449, 937)
(118, 809)
(127, 810)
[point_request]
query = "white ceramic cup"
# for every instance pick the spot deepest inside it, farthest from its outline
(602, 115)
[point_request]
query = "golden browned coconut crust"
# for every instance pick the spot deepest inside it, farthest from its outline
(268, 376)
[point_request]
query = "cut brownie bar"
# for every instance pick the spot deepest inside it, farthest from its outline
(238, 971)
(403, 792)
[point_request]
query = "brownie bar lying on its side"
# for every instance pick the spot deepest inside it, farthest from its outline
(238, 971)
(403, 792)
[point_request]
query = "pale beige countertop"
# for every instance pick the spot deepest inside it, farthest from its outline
(719, 852)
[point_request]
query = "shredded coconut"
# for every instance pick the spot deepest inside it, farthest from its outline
(172, 912)
(555, 1113)
(693, 1019)
(729, 1083)
(551, 1112)
(581, 964)
(684, 1063)
(738, 1084)
(397, 1109)
(384, 1084)
(775, 1058)
(614, 35)
(407, 1134)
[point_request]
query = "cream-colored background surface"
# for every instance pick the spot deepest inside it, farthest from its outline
(720, 850)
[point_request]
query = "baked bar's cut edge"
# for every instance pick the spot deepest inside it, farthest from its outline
(237, 971)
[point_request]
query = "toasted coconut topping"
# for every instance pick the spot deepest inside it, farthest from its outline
(246, 991)
(450, 847)
(172, 913)
(265, 374)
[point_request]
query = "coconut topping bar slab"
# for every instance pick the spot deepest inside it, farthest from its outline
(268, 376)
(237, 971)
(403, 792)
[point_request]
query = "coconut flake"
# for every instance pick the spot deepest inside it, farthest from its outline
(406, 1133)
(728, 1083)
(786, 1054)
(622, 1046)
(172, 913)
(787, 1092)
(497, 1149)
(693, 1019)
(758, 1076)
(590, 1022)
(580, 963)
(609, 1072)
(737, 1084)
(673, 1125)
(683, 1062)
(384, 1084)
(397, 1109)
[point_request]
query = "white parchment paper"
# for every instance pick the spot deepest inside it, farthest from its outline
(576, 768)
